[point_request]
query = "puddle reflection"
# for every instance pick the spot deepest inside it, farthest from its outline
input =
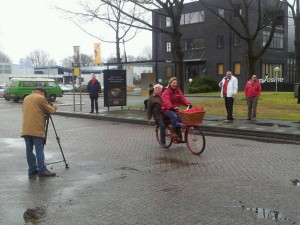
(296, 182)
(267, 214)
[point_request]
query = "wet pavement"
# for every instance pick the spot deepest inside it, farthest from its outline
(261, 129)
(119, 175)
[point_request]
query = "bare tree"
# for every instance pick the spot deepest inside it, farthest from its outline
(4, 58)
(85, 60)
(171, 9)
(39, 58)
(124, 28)
(294, 6)
(67, 62)
(146, 54)
(253, 17)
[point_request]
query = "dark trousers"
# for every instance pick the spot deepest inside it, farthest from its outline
(161, 123)
(252, 104)
(229, 107)
(146, 104)
(94, 101)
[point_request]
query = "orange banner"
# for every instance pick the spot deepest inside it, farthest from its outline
(97, 54)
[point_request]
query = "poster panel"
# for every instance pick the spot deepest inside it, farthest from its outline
(115, 93)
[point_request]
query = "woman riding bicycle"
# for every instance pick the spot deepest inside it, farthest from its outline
(172, 98)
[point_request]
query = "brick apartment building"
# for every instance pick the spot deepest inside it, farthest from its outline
(211, 47)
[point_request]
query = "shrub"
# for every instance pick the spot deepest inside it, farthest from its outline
(83, 89)
(203, 84)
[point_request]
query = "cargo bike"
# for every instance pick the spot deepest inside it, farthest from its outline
(191, 133)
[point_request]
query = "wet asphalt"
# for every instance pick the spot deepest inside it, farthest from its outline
(119, 175)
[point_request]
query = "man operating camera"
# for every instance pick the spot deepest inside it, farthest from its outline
(35, 108)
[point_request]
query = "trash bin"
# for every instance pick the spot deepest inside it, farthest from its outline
(296, 89)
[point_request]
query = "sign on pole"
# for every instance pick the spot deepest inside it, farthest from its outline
(97, 54)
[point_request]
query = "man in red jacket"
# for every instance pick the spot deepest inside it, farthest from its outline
(252, 93)
(172, 98)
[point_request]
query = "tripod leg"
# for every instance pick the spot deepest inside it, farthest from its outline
(58, 141)
(46, 129)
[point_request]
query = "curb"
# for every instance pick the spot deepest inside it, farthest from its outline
(210, 130)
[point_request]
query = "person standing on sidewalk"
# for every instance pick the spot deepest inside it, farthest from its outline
(94, 88)
(252, 93)
(229, 88)
(35, 108)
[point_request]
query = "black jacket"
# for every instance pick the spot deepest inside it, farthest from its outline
(95, 89)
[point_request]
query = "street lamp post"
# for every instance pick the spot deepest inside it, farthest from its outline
(276, 70)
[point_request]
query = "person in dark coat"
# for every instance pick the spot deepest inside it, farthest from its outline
(154, 110)
(94, 88)
(151, 90)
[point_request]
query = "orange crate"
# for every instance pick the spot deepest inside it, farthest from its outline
(192, 117)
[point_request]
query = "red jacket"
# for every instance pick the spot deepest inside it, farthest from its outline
(252, 89)
(172, 99)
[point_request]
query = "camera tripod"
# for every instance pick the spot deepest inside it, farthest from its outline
(47, 118)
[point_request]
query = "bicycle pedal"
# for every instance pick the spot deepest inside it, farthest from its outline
(178, 141)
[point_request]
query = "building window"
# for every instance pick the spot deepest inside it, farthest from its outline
(277, 41)
(194, 17)
(280, 20)
(168, 22)
(168, 47)
(268, 15)
(237, 40)
(269, 70)
(220, 41)
(238, 10)
(221, 12)
(193, 44)
(168, 71)
(28, 84)
(237, 68)
(220, 68)
(182, 19)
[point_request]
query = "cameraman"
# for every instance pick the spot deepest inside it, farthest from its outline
(35, 108)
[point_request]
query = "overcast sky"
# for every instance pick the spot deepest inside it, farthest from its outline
(27, 25)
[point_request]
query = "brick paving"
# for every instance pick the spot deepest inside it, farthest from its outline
(119, 175)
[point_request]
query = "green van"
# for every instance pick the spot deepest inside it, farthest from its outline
(19, 88)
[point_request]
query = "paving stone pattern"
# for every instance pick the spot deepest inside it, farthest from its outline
(119, 175)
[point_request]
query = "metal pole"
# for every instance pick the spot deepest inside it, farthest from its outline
(80, 97)
(73, 92)
(229, 66)
(276, 80)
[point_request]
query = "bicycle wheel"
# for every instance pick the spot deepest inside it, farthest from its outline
(167, 136)
(195, 140)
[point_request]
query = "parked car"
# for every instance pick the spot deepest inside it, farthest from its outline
(2, 89)
(70, 86)
(64, 88)
(19, 88)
